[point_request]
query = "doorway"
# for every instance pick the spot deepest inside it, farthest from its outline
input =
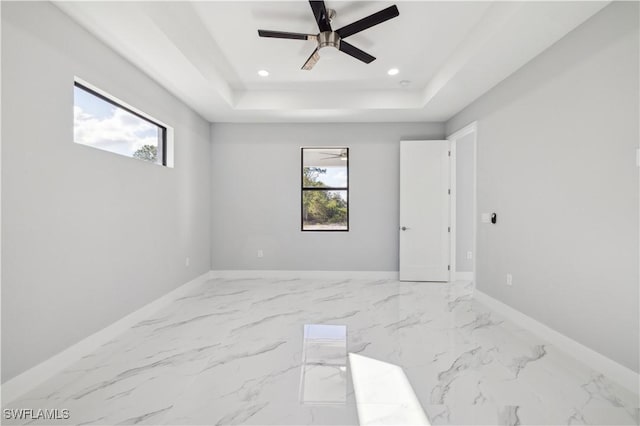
(463, 203)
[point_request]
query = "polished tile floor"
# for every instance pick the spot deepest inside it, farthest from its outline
(238, 352)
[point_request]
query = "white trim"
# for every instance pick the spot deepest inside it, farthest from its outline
(620, 374)
(463, 276)
(23, 383)
(1, 237)
(282, 274)
(469, 128)
(453, 189)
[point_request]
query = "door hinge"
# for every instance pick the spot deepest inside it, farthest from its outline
(449, 191)
(448, 229)
(448, 267)
(449, 153)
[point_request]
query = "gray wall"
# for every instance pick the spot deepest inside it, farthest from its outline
(88, 236)
(464, 202)
(556, 161)
(256, 196)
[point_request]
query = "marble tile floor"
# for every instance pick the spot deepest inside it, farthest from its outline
(231, 352)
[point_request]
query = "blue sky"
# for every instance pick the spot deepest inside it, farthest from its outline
(92, 105)
(100, 124)
(335, 177)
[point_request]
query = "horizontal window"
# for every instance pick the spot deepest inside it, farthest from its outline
(325, 189)
(103, 122)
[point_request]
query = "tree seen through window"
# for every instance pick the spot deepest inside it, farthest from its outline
(325, 205)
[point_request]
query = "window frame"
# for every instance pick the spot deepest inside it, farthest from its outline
(303, 189)
(163, 140)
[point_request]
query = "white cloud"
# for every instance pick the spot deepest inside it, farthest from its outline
(122, 132)
(336, 176)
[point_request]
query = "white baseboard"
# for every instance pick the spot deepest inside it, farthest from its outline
(282, 274)
(620, 374)
(462, 276)
(21, 384)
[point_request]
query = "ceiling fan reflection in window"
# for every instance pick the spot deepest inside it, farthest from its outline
(329, 38)
(342, 155)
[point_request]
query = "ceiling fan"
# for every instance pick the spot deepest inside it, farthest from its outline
(329, 38)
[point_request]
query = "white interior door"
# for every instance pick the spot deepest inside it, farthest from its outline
(424, 211)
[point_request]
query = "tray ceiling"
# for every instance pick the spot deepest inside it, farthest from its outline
(448, 54)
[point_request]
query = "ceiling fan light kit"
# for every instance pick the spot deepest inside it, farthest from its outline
(329, 38)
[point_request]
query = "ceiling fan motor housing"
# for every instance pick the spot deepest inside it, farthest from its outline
(328, 39)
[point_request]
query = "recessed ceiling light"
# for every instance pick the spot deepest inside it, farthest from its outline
(393, 71)
(263, 73)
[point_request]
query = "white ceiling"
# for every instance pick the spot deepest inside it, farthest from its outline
(208, 54)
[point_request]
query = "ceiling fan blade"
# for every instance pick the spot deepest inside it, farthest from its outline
(283, 34)
(369, 21)
(350, 49)
(342, 154)
(320, 13)
(313, 59)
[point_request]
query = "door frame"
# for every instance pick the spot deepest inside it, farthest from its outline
(471, 128)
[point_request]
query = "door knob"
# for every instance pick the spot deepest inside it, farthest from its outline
(404, 228)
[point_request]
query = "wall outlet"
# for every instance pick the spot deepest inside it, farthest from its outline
(260, 253)
(509, 279)
(187, 261)
(469, 255)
